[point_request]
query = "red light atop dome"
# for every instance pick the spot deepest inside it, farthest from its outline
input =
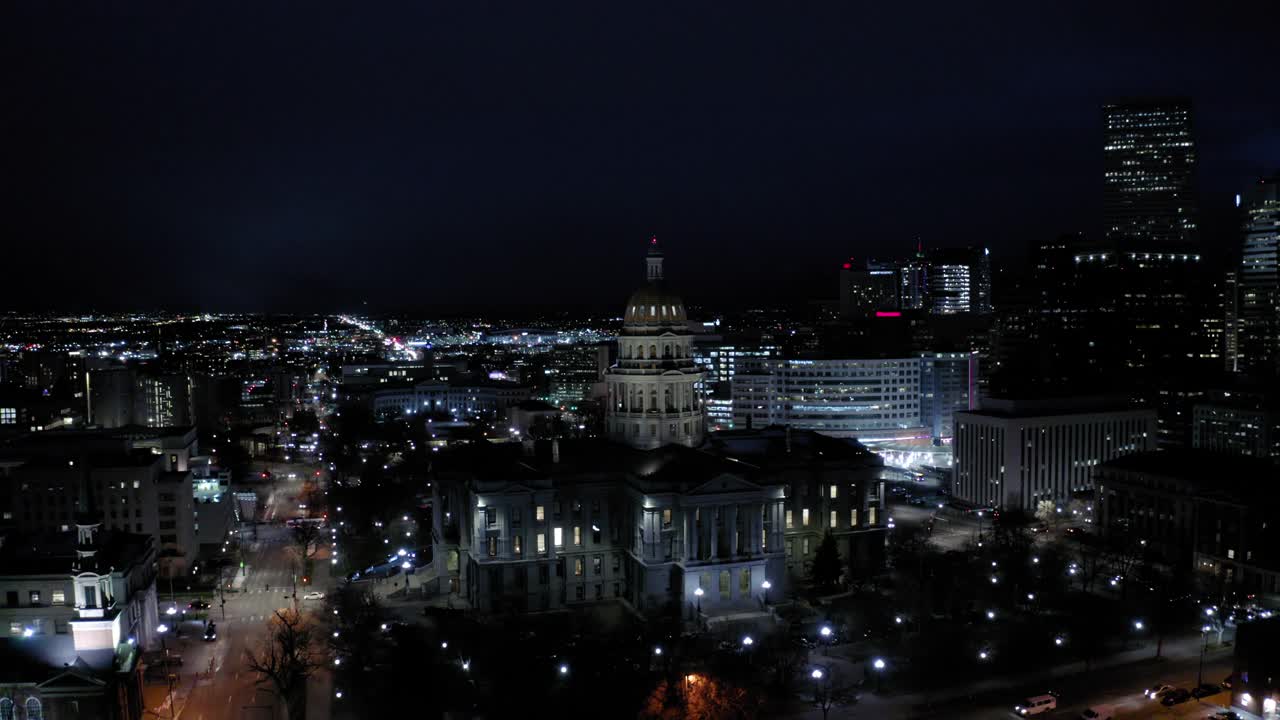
(847, 266)
(653, 240)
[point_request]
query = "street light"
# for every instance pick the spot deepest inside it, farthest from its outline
(766, 585)
(747, 641)
(879, 665)
(564, 669)
(1204, 632)
(697, 593)
(1137, 625)
(657, 650)
(816, 674)
(162, 629)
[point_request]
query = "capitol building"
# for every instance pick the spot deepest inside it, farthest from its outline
(659, 514)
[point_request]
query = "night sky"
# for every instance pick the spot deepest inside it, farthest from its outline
(453, 155)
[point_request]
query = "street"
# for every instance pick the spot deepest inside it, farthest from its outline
(214, 683)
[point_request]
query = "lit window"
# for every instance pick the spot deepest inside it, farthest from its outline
(666, 518)
(577, 534)
(579, 567)
(541, 513)
(542, 543)
(853, 517)
(517, 545)
(834, 520)
(804, 517)
(833, 492)
(790, 524)
(59, 597)
(557, 535)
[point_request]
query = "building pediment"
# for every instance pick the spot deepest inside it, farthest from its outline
(72, 679)
(723, 484)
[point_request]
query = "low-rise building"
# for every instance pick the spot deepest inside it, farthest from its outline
(1212, 512)
(79, 606)
(1018, 453)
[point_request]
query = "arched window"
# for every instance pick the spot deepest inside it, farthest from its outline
(34, 711)
(666, 351)
(6, 709)
(653, 352)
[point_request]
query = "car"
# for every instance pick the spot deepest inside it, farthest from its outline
(198, 605)
(1205, 690)
(1156, 691)
(1176, 696)
(1229, 681)
(313, 595)
(1225, 715)
(211, 632)
(1098, 712)
(1036, 705)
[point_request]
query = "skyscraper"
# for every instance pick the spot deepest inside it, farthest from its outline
(866, 288)
(1150, 161)
(959, 280)
(1259, 304)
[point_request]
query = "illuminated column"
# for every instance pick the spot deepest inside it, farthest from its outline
(731, 528)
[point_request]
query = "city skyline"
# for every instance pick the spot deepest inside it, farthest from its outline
(180, 159)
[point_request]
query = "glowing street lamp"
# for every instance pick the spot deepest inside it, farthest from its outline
(766, 585)
(697, 593)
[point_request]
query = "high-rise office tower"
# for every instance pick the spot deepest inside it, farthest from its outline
(1259, 304)
(959, 281)
(1231, 320)
(868, 287)
(1150, 161)
(913, 277)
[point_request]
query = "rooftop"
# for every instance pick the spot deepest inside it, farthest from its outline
(53, 553)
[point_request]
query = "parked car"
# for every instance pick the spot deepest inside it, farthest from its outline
(1229, 681)
(1225, 715)
(1176, 696)
(211, 632)
(197, 605)
(313, 595)
(1155, 692)
(1098, 712)
(1205, 690)
(1036, 705)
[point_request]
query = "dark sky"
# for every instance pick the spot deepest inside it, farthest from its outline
(430, 154)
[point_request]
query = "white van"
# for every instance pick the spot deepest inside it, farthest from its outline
(1036, 705)
(1098, 712)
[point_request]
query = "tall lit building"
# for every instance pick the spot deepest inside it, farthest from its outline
(913, 279)
(1231, 320)
(868, 287)
(959, 281)
(1259, 284)
(1149, 181)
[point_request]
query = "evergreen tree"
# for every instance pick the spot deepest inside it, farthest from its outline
(825, 572)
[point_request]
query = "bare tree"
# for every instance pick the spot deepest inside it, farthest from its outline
(307, 540)
(830, 690)
(287, 657)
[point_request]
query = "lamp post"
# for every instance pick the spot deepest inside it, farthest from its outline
(164, 646)
(825, 632)
(878, 664)
(766, 585)
(1204, 632)
(697, 593)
